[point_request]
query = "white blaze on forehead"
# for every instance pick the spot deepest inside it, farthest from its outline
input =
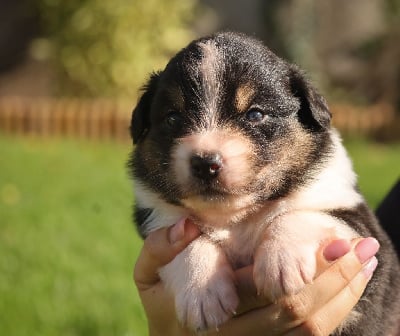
(211, 73)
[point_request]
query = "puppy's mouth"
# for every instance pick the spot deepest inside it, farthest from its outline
(213, 197)
(214, 205)
(207, 192)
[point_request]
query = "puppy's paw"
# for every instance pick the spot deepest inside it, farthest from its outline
(209, 306)
(283, 269)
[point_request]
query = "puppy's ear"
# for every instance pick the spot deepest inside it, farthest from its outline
(140, 122)
(314, 112)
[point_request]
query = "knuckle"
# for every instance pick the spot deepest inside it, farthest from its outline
(136, 273)
(297, 308)
(342, 270)
(353, 292)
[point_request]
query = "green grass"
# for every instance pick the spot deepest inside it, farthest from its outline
(67, 245)
(377, 166)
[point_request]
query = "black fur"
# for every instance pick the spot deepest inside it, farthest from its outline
(314, 112)
(140, 123)
(141, 215)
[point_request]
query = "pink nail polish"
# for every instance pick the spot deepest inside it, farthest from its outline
(370, 267)
(366, 249)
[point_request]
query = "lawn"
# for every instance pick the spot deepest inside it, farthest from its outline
(67, 245)
(377, 166)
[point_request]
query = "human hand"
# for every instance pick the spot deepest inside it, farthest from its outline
(317, 310)
(160, 248)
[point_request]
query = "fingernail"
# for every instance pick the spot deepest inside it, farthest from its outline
(336, 249)
(177, 231)
(370, 267)
(366, 249)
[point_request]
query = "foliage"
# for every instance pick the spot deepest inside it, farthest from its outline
(350, 48)
(107, 48)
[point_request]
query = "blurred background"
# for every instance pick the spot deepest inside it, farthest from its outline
(70, 74)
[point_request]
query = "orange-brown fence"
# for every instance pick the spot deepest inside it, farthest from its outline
(106, 119)
(89, 119)
(378, 120)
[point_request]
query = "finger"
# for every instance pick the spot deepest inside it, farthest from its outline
(160, 248)
(327, 319)
(293, 311)
(249, 299)
(316, 295)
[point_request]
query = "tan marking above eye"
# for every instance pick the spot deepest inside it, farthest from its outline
(244, 95)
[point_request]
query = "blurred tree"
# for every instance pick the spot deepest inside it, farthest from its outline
(107, 48)
(382, 55)
(351, 47)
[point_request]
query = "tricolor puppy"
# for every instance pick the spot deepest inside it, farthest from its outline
(236, 139)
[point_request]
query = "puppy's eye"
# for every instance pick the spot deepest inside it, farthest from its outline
(173, 119)
(255, 115)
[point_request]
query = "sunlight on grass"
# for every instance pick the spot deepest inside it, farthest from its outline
(67, 245)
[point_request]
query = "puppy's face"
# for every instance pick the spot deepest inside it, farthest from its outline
(227, 125)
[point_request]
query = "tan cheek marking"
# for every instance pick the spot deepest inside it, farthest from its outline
(243, 97)
(294, 152)
(298, 144)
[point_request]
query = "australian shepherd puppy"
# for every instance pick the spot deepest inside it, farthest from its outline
(238, 140)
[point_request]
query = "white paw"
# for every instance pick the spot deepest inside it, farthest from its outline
(282, 268)
(207, 307)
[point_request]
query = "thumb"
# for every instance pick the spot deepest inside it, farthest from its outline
(160, 248)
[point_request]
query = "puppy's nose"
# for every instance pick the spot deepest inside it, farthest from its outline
(206, 166)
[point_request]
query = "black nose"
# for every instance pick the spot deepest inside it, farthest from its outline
(206, 166)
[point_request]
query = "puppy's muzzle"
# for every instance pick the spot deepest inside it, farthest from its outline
(206, 166)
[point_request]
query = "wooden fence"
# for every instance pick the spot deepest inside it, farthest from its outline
(379, 120)
(89, 119)
(104, 119)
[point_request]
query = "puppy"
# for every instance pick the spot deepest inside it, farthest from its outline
(236, 139)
